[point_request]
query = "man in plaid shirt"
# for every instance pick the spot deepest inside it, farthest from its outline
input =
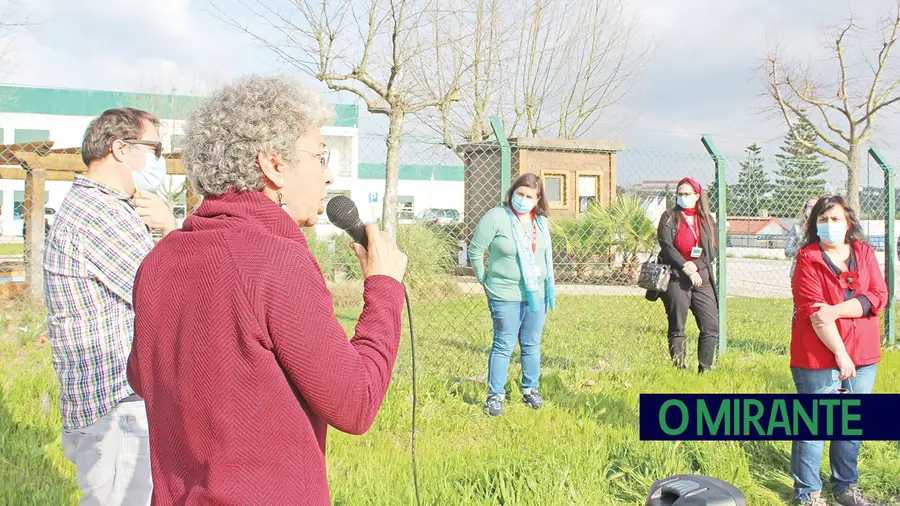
(100, 236)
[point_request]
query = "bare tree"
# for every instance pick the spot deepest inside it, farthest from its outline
(602, 64)
(367, 53)
(168, 104)
(12, 22)
(843, 107)
(556, 69)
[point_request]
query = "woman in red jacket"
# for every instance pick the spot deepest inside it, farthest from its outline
(836, 337)
(237, 351)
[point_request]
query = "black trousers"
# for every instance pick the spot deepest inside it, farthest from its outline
(681, 296)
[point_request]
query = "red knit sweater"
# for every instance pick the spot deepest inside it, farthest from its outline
(242, 362)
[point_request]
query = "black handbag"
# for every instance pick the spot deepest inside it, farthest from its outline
(654, 275)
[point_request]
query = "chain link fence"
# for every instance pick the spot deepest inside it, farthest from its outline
(35, 172)
(605, 203)
(765, 204)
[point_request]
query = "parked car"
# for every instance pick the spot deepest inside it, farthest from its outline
(440, 216)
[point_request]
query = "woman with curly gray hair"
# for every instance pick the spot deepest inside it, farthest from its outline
(237, 350)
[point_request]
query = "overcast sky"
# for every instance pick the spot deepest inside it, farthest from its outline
(703, 77)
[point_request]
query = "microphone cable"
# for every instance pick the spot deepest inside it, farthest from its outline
(412, 348)
(342, 212)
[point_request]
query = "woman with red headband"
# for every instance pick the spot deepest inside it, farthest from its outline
(687, 242)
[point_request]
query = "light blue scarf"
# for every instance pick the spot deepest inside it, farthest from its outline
(528, 265)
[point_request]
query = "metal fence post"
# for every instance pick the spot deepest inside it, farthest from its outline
(890, 246)
(722, 222)
(505, 156)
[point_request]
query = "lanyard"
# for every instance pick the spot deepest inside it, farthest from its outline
(695, 229)
(533, 230)
(533, 234)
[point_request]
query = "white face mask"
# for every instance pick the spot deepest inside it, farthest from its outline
(153, 175)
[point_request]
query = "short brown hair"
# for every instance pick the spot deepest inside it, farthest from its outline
(118, 123)
(531, 181)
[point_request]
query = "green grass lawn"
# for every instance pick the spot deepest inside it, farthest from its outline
(599, 354)
(12, 249)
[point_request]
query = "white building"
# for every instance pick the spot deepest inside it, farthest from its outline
(29, 114)
(61, 115)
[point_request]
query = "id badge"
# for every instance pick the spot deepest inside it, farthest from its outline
(696, 252)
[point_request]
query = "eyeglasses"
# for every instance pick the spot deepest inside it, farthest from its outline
(323, 156)
(156, 145)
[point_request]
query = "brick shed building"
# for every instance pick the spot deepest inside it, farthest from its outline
(574, 174)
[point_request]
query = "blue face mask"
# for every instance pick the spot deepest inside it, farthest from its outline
(686, 202)
(523, 205)
(153, 175)
(832, 233)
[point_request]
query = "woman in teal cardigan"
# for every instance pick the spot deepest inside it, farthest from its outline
(518, 283)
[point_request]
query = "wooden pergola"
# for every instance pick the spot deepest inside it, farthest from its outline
(37, 163)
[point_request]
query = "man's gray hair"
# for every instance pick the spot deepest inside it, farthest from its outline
(252, 115)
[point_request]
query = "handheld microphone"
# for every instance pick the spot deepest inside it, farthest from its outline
(343, 214)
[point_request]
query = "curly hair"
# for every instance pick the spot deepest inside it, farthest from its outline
(225, 134)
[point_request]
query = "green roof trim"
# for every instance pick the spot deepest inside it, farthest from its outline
(69, 102)
(414, 172)
(346, 115)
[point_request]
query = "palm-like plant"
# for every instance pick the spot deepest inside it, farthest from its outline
(605, 231)
(632, 230)
(584, 241)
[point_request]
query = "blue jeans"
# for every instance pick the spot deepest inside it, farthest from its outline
(513, 321)
(806, 456)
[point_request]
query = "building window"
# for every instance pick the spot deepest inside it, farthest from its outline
(588, 190)
(26, 136)
(177, 143)
(405, 204)
(405, 208)
(19, 203)
(556, 188)
(344, 169)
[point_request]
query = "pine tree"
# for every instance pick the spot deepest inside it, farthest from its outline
(800, 172)
(712, 196)
(751, 193)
